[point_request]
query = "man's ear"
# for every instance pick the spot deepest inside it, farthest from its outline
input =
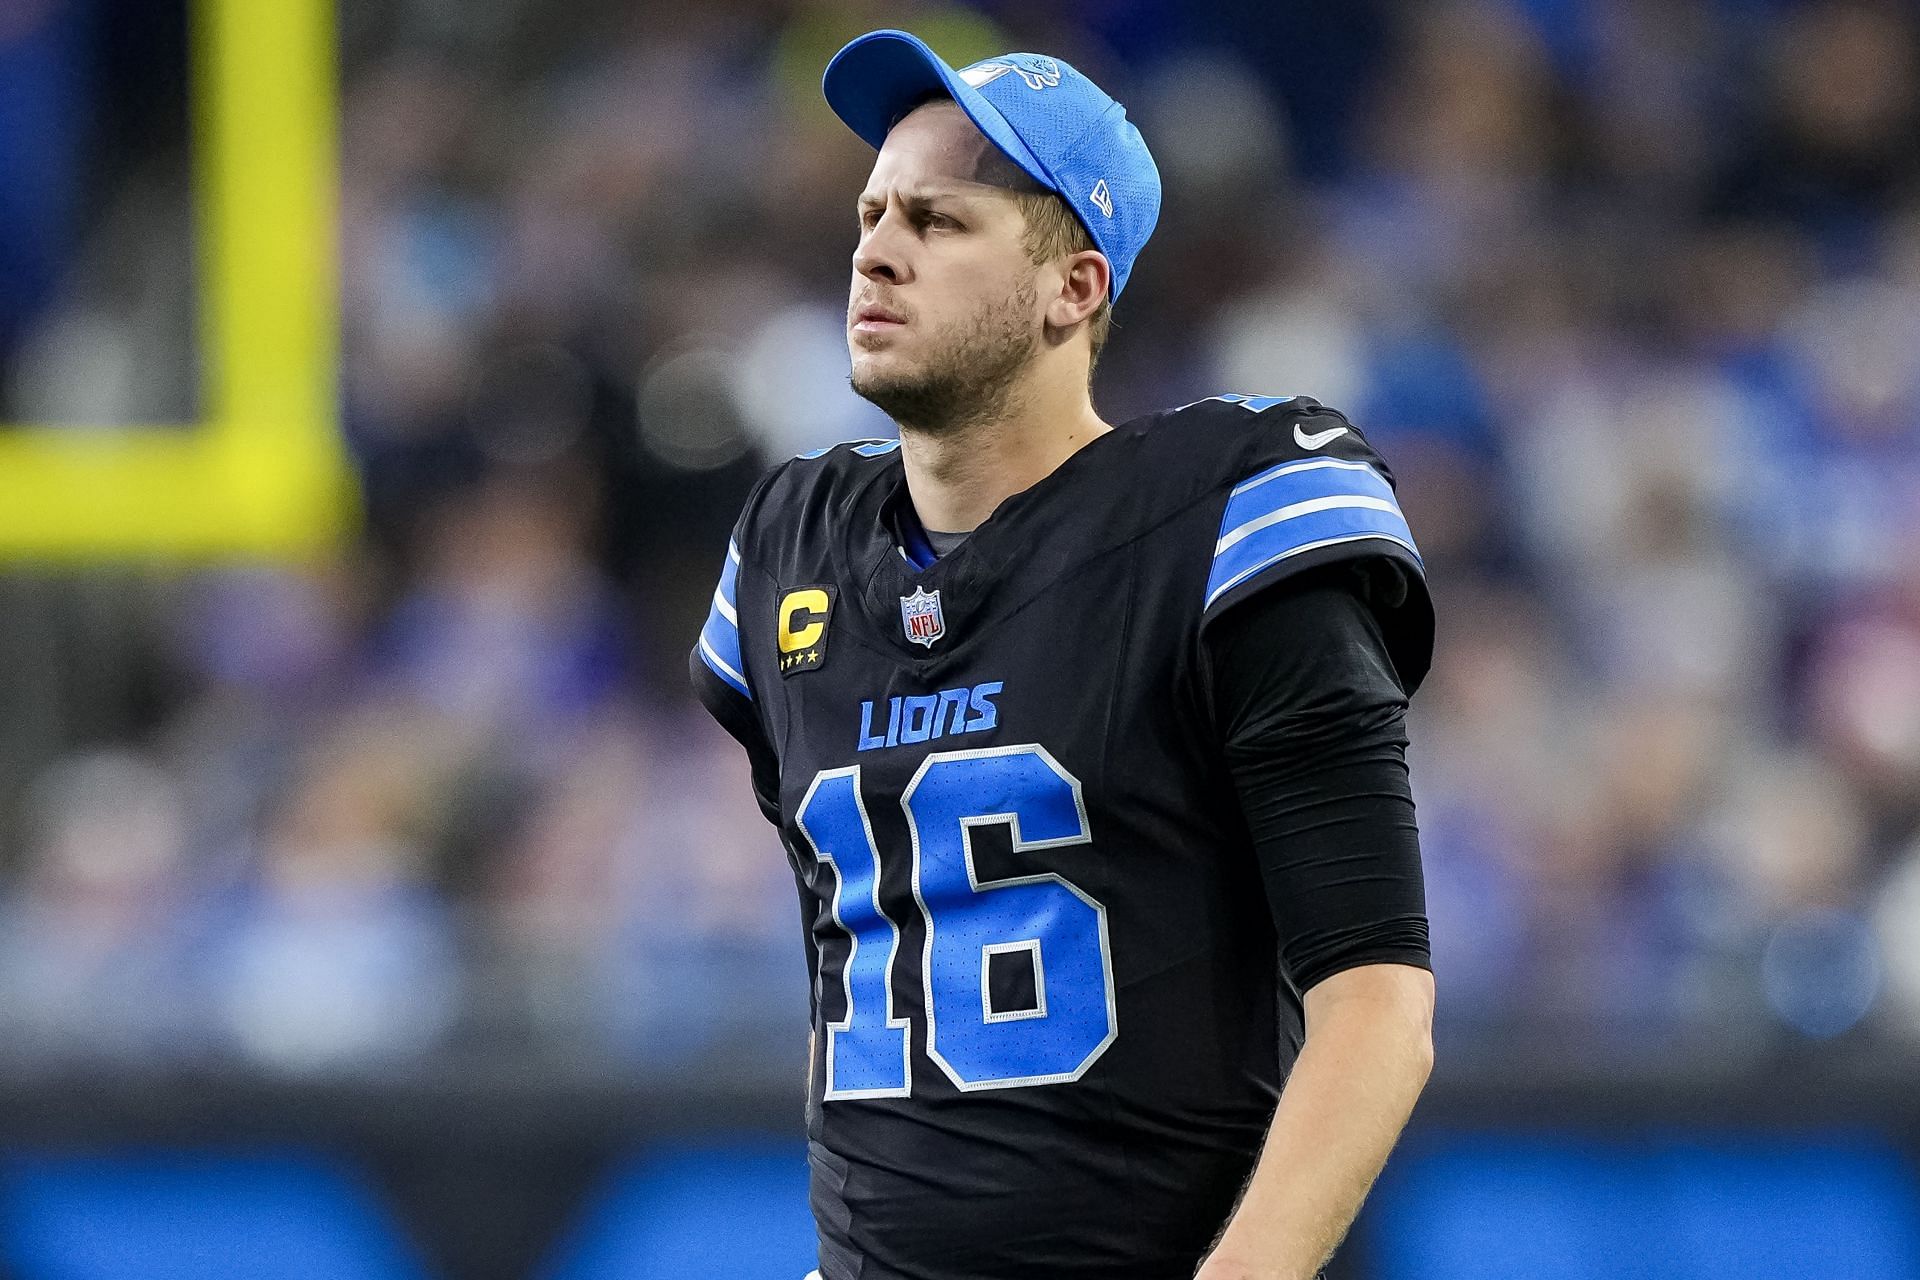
(1082, 289)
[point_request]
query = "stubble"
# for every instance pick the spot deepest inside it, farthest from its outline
(970, 380)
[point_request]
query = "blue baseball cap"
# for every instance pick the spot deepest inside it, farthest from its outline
(1053, 122)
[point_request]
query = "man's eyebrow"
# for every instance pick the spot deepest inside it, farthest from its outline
(920, 197)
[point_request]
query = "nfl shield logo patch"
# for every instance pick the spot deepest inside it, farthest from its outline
(920, 615)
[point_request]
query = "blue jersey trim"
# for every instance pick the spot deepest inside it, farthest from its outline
(1297, 507)
(720, 637)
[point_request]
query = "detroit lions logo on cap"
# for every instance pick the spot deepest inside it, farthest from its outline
(1038, 72)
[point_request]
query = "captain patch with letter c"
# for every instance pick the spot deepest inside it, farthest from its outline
(803, 616)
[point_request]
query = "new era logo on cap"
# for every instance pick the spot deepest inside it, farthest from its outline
(1101, 197)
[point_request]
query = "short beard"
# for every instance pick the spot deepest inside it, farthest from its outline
(970, 382)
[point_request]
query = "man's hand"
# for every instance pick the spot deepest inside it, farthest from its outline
(1368, 1052)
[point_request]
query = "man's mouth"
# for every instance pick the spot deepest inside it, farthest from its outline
(871, 319)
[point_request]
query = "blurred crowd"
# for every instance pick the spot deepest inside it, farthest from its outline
(1627, 291)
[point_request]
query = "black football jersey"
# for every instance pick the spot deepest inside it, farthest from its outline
(1051, 1023)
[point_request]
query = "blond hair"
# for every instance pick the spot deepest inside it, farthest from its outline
(1054, 231)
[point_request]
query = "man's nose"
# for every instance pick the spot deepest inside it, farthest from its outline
(882, 253)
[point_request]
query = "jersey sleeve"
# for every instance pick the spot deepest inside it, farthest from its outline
(1305, 489)
(722, 676)
(719, 674)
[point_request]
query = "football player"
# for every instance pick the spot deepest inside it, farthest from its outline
(1085, 741)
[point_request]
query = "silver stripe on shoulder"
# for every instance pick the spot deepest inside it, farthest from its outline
(720, 664)
(1248, 572)
(1311, 464)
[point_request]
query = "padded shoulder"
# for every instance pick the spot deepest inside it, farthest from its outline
(794, 497)
(1235, 436)
(1299, 487)
(800, 492)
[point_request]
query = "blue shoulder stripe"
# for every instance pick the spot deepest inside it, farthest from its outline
(720, 638)
(1297, 507)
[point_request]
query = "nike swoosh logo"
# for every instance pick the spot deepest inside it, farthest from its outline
(1319, 439)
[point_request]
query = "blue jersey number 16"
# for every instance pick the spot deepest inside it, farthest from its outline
(1044, 924)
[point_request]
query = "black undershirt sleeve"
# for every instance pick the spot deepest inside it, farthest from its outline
(1312, 723)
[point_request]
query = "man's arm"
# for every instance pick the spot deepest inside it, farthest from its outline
(1311, 715)
(1368, 1051)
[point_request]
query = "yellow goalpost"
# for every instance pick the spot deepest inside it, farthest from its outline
(264, 473)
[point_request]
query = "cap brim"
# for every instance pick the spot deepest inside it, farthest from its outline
(877, 78)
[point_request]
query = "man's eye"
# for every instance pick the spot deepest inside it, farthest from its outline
(870, 218)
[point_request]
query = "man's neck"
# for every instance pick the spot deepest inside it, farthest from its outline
(958, 478)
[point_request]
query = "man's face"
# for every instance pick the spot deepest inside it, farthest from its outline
(941, 252)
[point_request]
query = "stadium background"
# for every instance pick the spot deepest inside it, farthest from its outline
(380, 387)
